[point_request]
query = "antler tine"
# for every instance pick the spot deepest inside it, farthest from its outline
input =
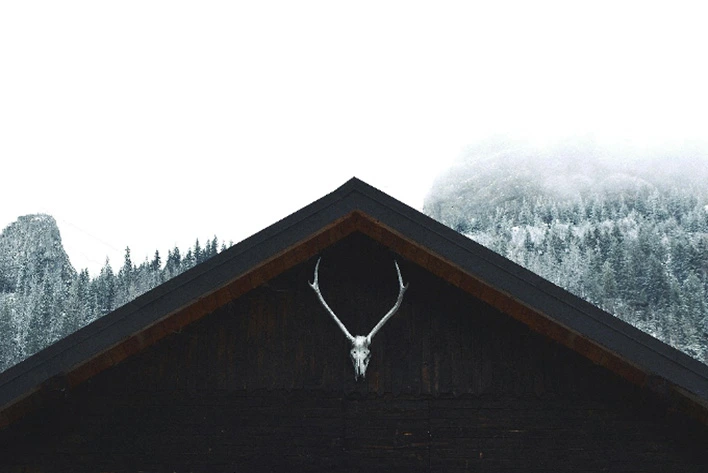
(316, 287)
(401, 289)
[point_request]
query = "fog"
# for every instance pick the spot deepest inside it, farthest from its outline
(572, 166)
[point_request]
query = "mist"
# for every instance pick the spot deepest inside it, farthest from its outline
(500, 168)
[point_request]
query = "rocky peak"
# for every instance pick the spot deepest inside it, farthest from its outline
(31, 248)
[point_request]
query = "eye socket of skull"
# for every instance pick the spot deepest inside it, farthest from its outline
(357, 352)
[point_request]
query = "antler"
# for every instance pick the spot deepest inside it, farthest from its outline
(401, 289)
(316, 287)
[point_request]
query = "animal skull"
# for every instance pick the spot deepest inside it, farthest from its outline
(360, 353)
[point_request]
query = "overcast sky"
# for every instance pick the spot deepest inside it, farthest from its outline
(149, 123)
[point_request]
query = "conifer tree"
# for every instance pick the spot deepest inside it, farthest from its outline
(8, 337)
(43, 321)
(106, 289)
(198, 255)
(156, 263)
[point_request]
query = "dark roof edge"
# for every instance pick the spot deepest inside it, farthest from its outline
(646, 352)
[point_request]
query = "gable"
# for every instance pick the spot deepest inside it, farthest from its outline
(356, 207)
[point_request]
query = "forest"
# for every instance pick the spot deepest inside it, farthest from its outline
(631, 239)
(43, 299)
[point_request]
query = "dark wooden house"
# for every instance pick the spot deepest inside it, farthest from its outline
(236, 366)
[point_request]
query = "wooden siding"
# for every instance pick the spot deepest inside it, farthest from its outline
(265, 384)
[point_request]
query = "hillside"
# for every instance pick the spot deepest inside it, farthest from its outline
(628, 235)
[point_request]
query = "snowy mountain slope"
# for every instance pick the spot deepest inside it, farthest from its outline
(630, 236)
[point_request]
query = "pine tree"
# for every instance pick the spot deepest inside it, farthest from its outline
(8, 337)
(212, 247)
(173, 265)
(126, 290)
(156, 275)
(156, 263)
(44, 321)
(79, 310)
(198, 254)
(105, 288)
(188, 261)
(693, 314)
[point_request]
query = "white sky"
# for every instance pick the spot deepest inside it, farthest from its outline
(151, 123)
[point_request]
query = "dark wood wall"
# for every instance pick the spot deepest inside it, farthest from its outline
(265, 384)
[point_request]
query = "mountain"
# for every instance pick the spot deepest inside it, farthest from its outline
(35, 275)
(624, 228)
(43, 298)
(31, 247)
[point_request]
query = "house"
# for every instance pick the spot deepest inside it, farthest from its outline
(236, 365)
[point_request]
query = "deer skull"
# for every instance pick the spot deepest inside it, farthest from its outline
(360, 353)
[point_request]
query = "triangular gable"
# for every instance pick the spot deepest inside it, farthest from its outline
(357, 207)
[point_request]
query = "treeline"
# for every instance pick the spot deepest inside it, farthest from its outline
(641, 252)
(45, 305)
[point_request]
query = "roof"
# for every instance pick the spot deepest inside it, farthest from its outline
(357, 207)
